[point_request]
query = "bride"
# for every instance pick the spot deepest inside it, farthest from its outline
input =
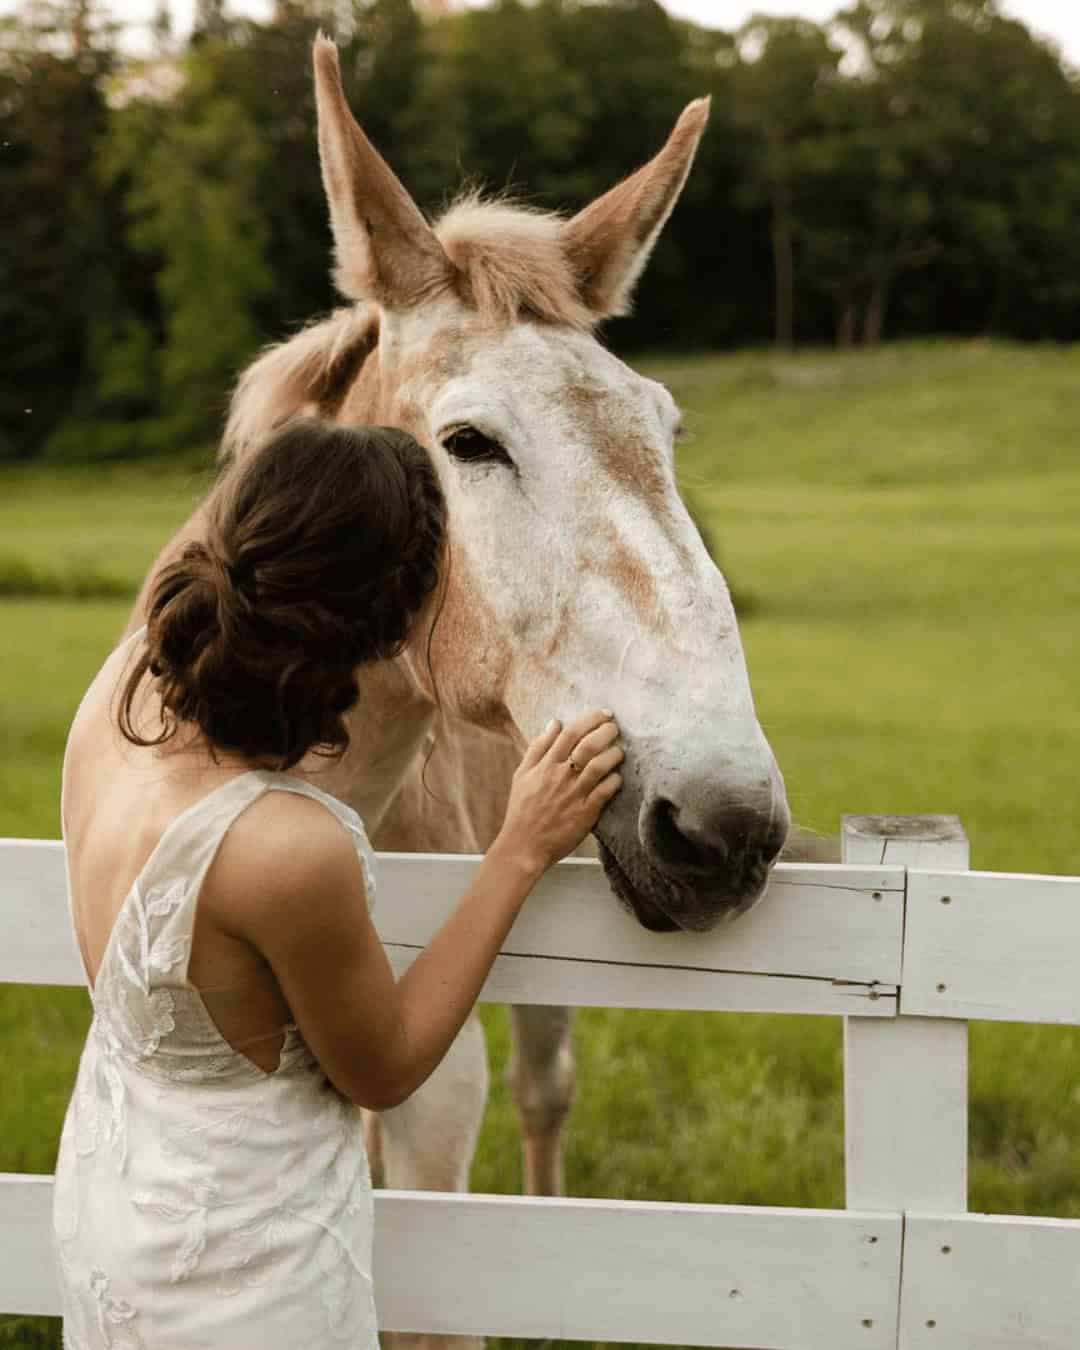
(212, 1191)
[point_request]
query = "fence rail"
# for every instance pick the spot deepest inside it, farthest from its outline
(992, 946)
(902, 940)
(828, 941)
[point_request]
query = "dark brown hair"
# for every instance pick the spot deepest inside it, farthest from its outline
(321, 550)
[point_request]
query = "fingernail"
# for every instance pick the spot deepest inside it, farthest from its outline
(551, 725)
(607, 712)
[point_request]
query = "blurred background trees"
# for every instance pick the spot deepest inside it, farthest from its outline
(911, 167)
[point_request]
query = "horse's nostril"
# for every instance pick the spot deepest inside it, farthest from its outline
(676, 849)
(733, 836)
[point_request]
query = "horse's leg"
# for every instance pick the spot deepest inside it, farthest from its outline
(427, 1144)
(541, 1080)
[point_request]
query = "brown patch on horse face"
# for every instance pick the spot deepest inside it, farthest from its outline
(445, 356)
(631, 578)
(625, 456)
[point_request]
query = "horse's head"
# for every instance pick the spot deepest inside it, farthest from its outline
(576, 576)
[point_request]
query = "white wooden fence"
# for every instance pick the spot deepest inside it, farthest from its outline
(902, 940)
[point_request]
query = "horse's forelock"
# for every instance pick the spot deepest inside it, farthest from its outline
(513, 262)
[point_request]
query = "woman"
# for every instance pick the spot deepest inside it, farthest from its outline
(211, 1190)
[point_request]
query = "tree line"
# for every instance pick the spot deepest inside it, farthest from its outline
(910, 167)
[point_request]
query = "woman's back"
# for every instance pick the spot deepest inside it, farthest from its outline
(118, 801)
(209, 1191)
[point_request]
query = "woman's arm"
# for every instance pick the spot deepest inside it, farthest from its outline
(293, 888)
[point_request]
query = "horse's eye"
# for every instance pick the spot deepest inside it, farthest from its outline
(472, 446)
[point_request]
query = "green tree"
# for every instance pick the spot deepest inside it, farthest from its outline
(867, 215)
(524, 108)
(197, 211)
(785, 67)
(54, 244)
(268, 74)
(970, 135)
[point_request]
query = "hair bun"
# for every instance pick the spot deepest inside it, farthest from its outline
(322, 548)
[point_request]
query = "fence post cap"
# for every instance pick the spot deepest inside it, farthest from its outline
(923, 829)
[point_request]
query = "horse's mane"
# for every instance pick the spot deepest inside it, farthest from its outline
(309, 372)
(510, 261)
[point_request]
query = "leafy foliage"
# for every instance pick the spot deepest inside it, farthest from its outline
(52, 118)
(911, 167)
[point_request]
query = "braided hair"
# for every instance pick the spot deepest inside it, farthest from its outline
(321, 550)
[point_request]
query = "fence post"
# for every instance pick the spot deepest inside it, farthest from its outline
(905, 1080)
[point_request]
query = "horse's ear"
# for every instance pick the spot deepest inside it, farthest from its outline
(386, 251)
(610, 241)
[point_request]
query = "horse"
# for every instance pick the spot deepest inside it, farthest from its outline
(575, 577)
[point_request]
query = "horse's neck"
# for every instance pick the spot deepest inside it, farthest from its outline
(453, 799)
(444, 792)
(387, 727)
(458, 801)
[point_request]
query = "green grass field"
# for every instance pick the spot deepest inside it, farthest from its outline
(905, 525)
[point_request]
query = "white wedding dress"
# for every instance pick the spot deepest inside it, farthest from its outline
(203, 1203)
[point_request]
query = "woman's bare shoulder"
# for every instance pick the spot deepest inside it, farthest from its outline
(286, 859)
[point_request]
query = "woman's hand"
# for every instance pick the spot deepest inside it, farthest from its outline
(566, 778)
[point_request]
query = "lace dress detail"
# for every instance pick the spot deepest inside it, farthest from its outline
(202, 1203)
